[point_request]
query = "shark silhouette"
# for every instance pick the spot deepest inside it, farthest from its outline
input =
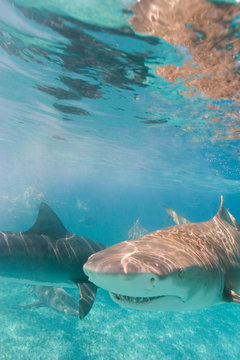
(47, 254)
(53, 297)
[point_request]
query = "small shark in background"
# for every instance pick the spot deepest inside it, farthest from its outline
(47, 254)
(55, 298)
(178, 219)
(182, 267)
(136, 230)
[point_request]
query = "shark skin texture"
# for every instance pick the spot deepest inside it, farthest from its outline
(183, 267)
(49, 255)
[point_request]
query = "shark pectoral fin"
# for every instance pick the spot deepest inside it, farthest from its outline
(35, 304)
(235, 297)
(87, 297)
(231, 296)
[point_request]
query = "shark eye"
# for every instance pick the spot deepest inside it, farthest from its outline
(181, 273)
(152, 280)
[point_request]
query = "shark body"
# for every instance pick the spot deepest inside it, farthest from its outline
(184, 267)
(55, 298)
(48, 254)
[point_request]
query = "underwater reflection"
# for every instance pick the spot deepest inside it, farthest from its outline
(209, 31)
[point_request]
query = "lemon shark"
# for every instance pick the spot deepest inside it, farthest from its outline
(183, 267)
(48, 254)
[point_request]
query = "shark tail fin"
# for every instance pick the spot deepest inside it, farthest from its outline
(225, 215)
(87, 296)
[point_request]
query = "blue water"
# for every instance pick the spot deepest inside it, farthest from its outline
(90, 128)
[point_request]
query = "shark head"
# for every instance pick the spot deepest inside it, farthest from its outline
(157, 272)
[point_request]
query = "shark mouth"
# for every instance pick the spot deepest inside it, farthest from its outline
(135, 300)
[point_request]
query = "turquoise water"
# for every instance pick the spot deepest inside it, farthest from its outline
(90, 128)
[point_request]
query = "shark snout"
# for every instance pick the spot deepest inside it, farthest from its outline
(116, 272)
(126, 259)
(121, 283)
(126, 272)
(109, 262)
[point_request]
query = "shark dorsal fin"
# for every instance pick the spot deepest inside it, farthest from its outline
(48, 223)
(225, 215)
